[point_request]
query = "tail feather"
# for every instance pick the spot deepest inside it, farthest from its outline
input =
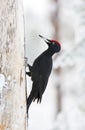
(37, 91)
(29, 101)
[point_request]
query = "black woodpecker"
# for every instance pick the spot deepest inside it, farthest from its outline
(40, 71)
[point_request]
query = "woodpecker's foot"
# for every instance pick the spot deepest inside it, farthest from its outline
(28, 73)
(30, 67)
(27, 114)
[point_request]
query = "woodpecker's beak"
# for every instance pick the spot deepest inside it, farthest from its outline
(45, 39)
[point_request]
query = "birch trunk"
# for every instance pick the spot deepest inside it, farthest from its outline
(12, 70)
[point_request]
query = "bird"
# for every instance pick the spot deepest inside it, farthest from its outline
(40, 70)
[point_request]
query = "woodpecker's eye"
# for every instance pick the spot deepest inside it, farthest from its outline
(53, 43)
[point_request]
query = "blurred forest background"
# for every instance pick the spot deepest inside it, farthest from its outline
(63, 103)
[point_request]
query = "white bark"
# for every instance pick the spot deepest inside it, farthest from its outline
(12, 70)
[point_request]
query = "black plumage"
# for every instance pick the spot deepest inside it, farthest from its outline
(40, 71)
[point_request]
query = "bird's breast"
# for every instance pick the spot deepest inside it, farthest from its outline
(46, 66)
(42, 67)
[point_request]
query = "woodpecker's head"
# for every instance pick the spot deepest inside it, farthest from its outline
(53, 44)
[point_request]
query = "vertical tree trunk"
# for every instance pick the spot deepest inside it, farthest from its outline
(12, 70)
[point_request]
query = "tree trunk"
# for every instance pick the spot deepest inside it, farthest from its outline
(12, 69)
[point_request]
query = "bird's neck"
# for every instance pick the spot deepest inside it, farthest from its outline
(49, 52)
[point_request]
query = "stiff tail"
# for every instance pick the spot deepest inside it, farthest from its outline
(29, 101)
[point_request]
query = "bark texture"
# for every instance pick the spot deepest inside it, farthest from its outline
(12, 69)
